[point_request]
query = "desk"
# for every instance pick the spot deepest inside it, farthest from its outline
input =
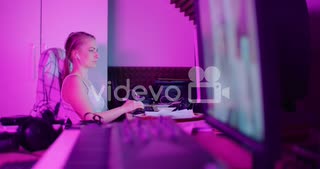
(220, 147)
(21, 158)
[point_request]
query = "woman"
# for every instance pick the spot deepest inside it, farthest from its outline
(78, 94)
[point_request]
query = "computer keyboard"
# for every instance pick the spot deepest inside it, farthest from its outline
(156, 144)
(143, 144)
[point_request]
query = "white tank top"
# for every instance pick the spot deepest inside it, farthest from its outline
(97, 102)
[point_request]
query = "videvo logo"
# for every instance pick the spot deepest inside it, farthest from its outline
(211, 75)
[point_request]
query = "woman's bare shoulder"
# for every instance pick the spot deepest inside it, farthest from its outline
(73, 84)
(72, 81)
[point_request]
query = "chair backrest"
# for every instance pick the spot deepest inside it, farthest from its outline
(50, 74)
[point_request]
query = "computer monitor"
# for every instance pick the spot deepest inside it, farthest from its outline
(247, 57)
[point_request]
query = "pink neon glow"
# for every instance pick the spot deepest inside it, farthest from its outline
(151, 33)
(313, 6)
(147, 33)
(19, 37)
(20, 43)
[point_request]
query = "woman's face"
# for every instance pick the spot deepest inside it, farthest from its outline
(88, 53)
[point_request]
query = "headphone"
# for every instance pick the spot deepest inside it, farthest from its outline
(33, 134)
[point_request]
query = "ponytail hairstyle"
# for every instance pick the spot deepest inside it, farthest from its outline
(74, 40)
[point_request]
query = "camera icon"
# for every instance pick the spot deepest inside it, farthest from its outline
(212, 75)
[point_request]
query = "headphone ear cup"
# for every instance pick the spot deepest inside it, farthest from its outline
(36, 134)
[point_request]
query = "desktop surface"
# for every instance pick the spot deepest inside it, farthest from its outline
(157, 143)
(224, 150)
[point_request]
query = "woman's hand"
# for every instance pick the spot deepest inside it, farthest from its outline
(131, 105)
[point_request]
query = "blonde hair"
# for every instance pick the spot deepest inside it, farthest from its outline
(74, 40)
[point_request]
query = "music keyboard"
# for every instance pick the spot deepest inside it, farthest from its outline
(91, 150)
(156, 144)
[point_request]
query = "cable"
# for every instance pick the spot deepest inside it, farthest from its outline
(46, 94)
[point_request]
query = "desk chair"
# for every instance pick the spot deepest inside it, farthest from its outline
(50, 76)
(35, 134)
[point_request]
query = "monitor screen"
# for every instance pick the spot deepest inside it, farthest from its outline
(231, 64)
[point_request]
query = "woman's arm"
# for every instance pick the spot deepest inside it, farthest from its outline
(75, 92)
(128, 106)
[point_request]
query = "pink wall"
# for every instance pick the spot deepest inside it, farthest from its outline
(88, 16)
(24, 24)
(149, 33)
(19, 42)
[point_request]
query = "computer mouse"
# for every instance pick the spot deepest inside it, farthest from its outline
(139, 111)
